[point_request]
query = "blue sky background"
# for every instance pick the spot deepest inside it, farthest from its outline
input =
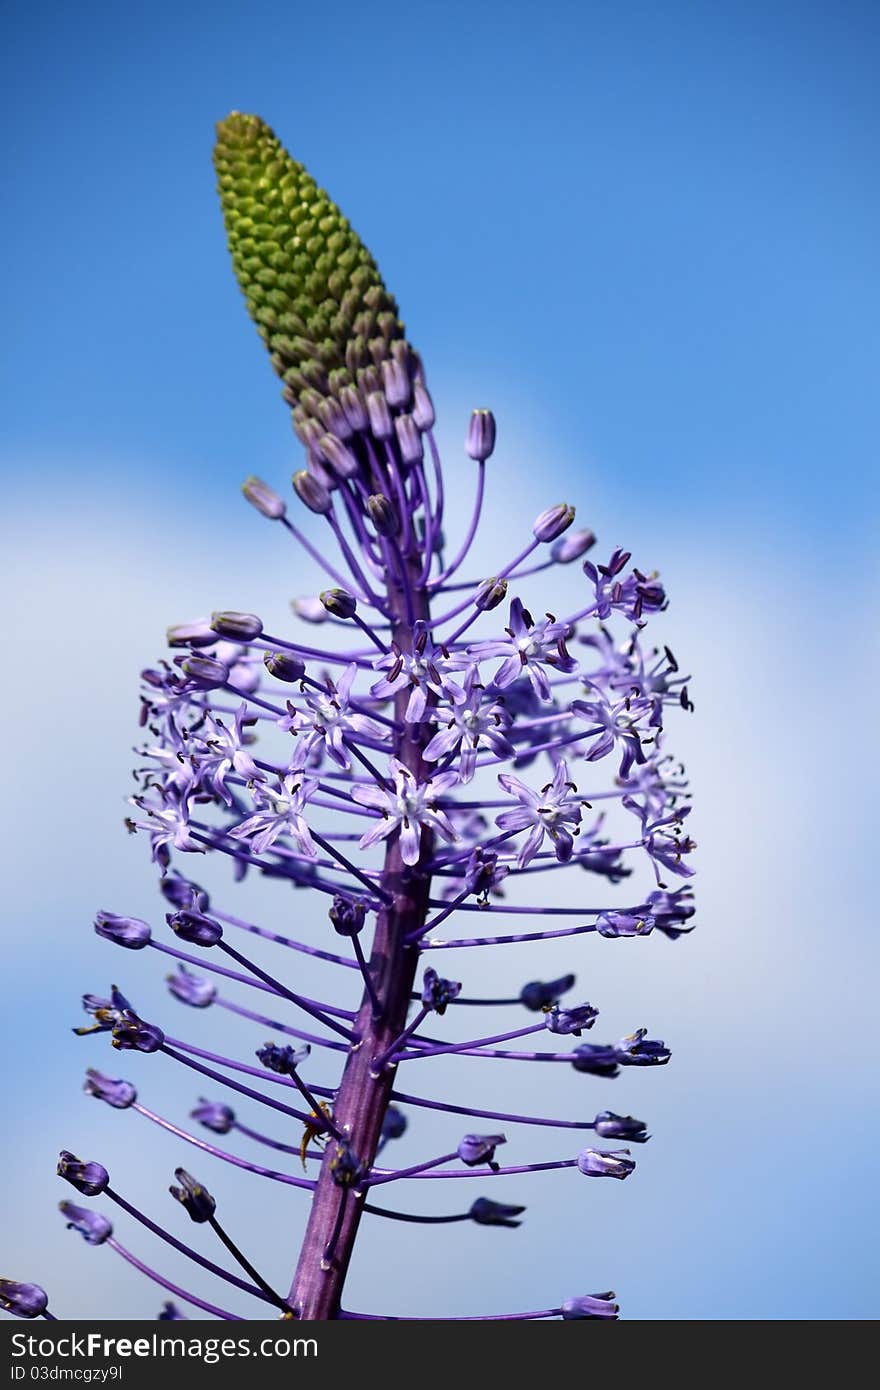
(646, 235)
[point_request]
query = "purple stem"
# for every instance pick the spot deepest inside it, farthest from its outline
(308, 1006)
(471, 531)
(310, 1038)
(186, 1249)
(171, 1051)
(443, 1048)
(225, 1157)
(318, 557)
(172, 1288)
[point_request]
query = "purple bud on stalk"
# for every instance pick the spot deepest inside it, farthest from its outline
(90, 1179)
(423, 407)
(339, 602)
(540, 994)
(488, 1213)
(282, 1060)
(347, 915)
(23, 1300)
(191, 989)
(236, 627)
(171, 1313)
(92, 1226)
(338, 455)
(353, 406)
(195, 928)
(205, 672)
(309, 608)
(394, 1124)
(409, 440)
(437, 993)
(312, 492)
(379, 415)
(480, 442)
(396, 384)
(214, 1115)
(605, 1163)
(383, 515)
(196, 1200)
(130, 932)
(552, 522)
(475, 1149)
(490, 594)
(593, 1305)
(261, 496)
(572, 546)
(195, 634)
(571, 1021)
(117, 1094)
(611, 1126)
(284, 667)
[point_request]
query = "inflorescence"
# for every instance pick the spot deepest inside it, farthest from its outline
(433, 749)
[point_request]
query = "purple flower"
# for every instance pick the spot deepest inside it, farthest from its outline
(221, 753)
(280, 815)
(410, 807)
(423, 669)
(613, 725)
(348, 768)
(328, 722)
(89, 1178)
(605, 1163)
(92, 1226)
(23, 1300)
(472, 721)
(528, 648)
(547, 813)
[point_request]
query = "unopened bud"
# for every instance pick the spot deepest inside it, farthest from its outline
(423, 407)
(309, 608)
(489, 594)
(197, 634)
(379, 416)
(205, 671)
(395, 380)
(339, 602)
(312, 492)
(261, 496)
(480, 441)
(383, 515)
(572, 547)
(338, 456)
(284, 667)
(352, 404)
(553, 522)
(408, 439)
(236, 627)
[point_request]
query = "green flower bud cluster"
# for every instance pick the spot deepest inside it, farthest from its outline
(311, 285)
